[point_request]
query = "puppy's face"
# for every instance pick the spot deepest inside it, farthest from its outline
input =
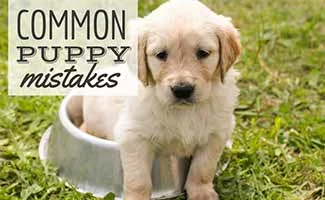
(183, 52)
(182, 63)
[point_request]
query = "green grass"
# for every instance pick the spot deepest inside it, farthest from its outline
(279, 141)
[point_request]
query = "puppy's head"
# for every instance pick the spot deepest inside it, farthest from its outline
(184, 49)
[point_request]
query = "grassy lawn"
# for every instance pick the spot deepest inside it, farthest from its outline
(279, 141)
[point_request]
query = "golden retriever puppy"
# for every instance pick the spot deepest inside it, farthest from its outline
(185, 102)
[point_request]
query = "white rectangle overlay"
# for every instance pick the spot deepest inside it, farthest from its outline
(56, 47)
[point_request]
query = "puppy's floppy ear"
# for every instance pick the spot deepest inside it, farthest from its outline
(144, 72)
(141, 33)
(229, 45)
(138, 37)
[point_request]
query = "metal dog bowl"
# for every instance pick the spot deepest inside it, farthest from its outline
(93, 165)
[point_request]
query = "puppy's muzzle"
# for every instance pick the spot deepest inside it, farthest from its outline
(183, 91)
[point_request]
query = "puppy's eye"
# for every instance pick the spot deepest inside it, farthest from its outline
(162, 55)
(201, 54)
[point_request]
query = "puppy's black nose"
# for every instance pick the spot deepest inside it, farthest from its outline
(183, 90)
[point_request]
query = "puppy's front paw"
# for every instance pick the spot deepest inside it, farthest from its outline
(202, 192)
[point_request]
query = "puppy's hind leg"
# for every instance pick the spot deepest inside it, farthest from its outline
(75, 110)
(83, 127)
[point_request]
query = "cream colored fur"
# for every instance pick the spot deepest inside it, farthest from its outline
(153, 121)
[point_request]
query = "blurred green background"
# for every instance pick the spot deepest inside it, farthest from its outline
(279, 141)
